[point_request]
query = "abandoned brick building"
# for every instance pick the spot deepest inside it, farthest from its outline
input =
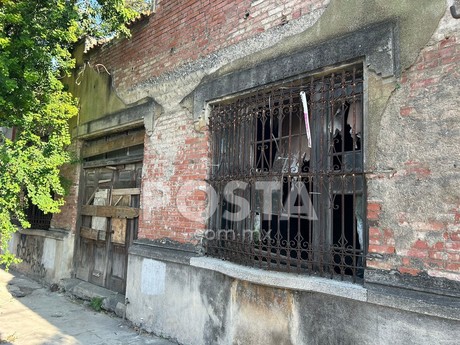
(269, 172)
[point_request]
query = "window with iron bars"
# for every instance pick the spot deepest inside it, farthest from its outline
(289, 179)
(37, 218)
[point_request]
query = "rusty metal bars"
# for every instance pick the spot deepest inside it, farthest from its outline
(315, 220)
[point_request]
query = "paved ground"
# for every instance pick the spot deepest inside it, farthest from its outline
(37, 316)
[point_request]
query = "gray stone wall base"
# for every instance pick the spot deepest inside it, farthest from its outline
(199, 300)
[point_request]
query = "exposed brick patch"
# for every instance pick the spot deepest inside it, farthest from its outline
(447, 41)
(457, 216)
(453, 266)
(416, 168)
(405, 111)
(418, 253)
(455, 236)
(381, 249)
(453, 246)
(411, 271)
(441, 255)
(419, 244)
(424, 83)
(373, 211)
(381, 240)
(380, 265)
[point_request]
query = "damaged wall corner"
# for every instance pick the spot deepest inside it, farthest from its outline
(154, 112)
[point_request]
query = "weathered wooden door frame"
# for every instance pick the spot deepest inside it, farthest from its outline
(130, 212)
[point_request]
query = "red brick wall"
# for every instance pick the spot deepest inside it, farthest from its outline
(182, 31)
(174, 156)
(428, 236)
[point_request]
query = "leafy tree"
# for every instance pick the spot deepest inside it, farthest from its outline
(36, 37)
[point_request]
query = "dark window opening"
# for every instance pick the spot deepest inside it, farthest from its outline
(310, 167)
(37, 218)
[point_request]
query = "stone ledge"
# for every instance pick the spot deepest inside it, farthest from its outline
(282, 280)
(430, 304)
(56, 234)
(152, 251)
(171, 252)
(445, 307)
(112, 301)
(422, 282)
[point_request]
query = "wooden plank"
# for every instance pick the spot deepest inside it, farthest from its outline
(126, 191)
(123, 200)
(112, 145)
(112, 161)
(92, 234)
(110, 211)
(91, 198)
(88, 233)
(118, 200)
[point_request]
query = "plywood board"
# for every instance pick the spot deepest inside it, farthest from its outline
(119, 230)
(101, 197)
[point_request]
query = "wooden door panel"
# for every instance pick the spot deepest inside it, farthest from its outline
(118, 273)
(109, 224)
(84, 259)
(97, 273)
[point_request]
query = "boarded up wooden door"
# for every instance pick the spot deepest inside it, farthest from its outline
(109, 223)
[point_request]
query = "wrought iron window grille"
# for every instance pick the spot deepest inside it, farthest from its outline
(37, 218)
(294, 208)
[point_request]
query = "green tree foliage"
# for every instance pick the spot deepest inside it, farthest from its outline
(35, 41)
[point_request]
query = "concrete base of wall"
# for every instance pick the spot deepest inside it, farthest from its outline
(197, 305)
(46, 254)
(111, 301)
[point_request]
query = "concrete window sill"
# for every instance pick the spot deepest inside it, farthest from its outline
(51, 233)
(408, 300)
(282, 280)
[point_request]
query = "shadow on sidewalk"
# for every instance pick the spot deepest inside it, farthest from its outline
(31, 314)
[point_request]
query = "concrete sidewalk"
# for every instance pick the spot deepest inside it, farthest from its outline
(31, 314)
